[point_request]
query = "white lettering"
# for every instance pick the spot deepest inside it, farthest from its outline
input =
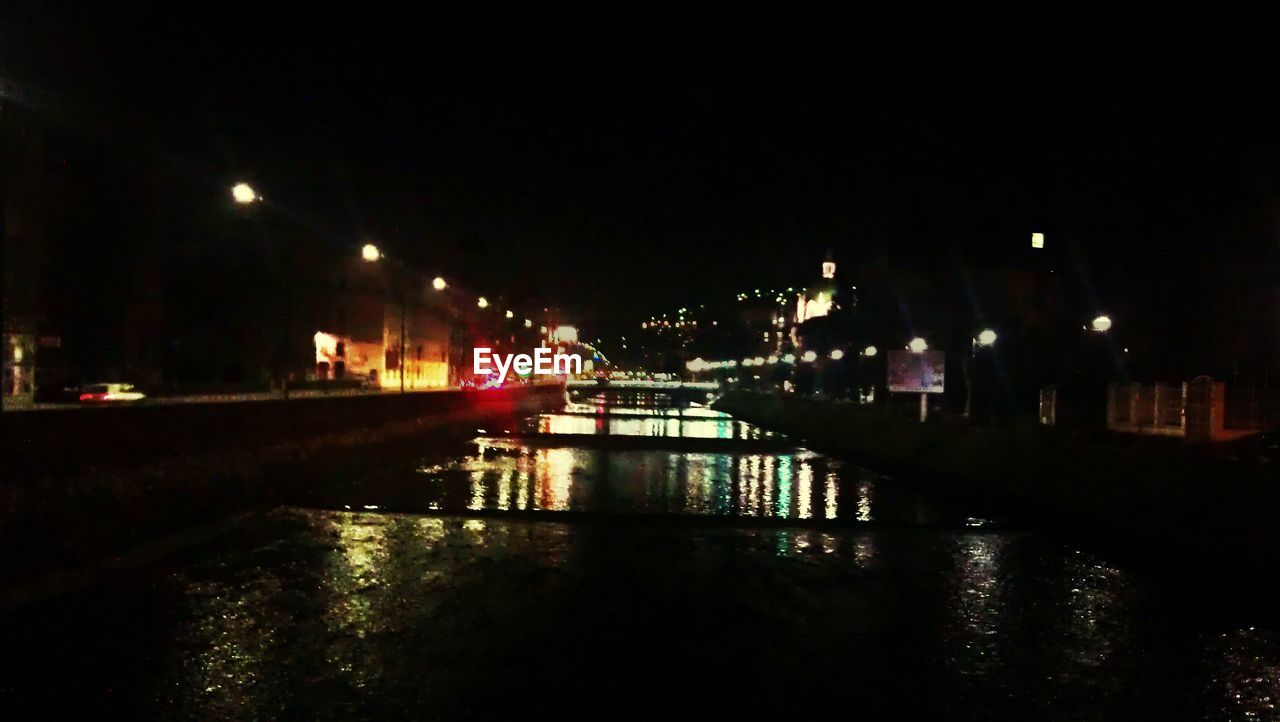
(523, 364)
(542, 361)
(567, 359)
(480, 362)
(502, 367)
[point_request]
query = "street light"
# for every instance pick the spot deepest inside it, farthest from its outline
(483, 302)
(837, 354)
(528, 323)
(243, 193)
(870, 351)
(370, 253)
(511, 314)
(809, 356)
(1102, 324)
(918, 345)
(438, 283)
(986, 339)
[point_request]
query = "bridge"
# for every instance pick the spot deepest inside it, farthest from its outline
(641, 392)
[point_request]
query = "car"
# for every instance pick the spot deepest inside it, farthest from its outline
(109, 393)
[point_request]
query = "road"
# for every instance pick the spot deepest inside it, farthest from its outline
(503, 576)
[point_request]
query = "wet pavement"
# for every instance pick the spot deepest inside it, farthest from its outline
(506, 576)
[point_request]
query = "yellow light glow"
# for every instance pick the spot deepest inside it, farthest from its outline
(987, 337)
(528, 323)
(918, 345)
(511, 314)
(483, 302)
(870, 351)
(1102, 324)
(1037, 240)
(243, 193)
(565, 334)
(837, 354)
(370, 252)
(809, 356)
(438, 283)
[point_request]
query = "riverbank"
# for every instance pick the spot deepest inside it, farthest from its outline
(1158, 494)
(83, 484)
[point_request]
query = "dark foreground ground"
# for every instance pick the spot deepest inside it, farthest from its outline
(365, 615)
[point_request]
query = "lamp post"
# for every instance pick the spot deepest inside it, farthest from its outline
(986, 338)
(372, 254)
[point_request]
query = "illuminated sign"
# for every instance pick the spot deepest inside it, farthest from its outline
(917, 373)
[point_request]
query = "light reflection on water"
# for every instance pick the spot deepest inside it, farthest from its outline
(510, 477)
(692, 423)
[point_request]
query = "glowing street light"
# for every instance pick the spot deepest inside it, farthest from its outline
(1102, 324)
(870, 351)
(809, 356)
(772, 359)
(987, 337)
(482, 302)
(511, 314)
(439, 284)
(370, 252)
(789, 358)
(757, 361)
(918, 345)
(528, 323)
(837, 354)
(244, 194)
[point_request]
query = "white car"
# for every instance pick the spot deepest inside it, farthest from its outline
(105, 393)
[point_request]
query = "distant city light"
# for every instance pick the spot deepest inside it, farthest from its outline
(511, 314)
(987, 337)
(1102, 324)
(528, 323)
(809, 356)
(837, 354)
(567, 334)
(918, 345)
(483, 302)
(370, 252)
(789, 358)
(1037, 240)
(870, 351)
(438, 283)
(758, 361)
(243, 193)
(772, 359)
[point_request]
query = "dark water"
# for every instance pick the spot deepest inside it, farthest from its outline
(586, 581)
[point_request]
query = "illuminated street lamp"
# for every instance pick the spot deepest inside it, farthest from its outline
(837, 354)
(870, 351)
(918, 345)
(528, 323)
(482, 302)
(809, 356)
(1102, 324)
(244, 194)
(438, 283)
(986, 338)
(789, 358)
(370, 253)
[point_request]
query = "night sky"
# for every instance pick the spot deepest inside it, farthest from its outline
(621, 164)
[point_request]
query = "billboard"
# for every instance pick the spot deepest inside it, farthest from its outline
(917, 373)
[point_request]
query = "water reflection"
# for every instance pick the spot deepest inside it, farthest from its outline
(692, 423)
(507, 476)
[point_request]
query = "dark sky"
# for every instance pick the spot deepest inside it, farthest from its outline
(624, 163)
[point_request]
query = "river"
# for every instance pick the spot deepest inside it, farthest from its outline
(635, 558)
